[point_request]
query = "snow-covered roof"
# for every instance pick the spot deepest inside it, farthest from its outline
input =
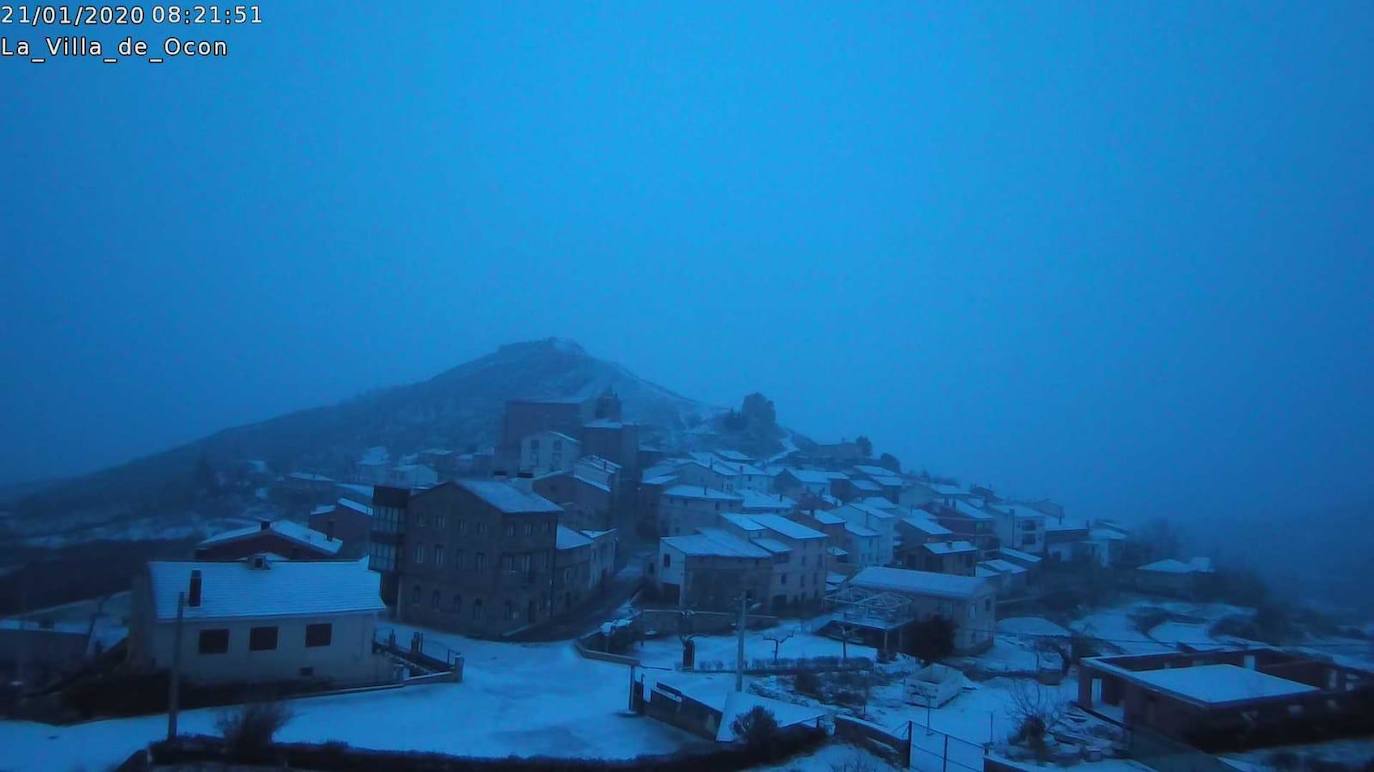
(346, 503)
(599, 462)
(757, 500)
(700, 492)
(237, 589)
(810, 475)
(507, 497)
(825, 518)
(882, 513)
(789, 528)
(733, 455)
(772, 545)
(859, 530)
(1002, 567)
(1172, 566)
(1024, 557)
(926, 525)
(286, 529)
(603, 423)
(567, 539)
(660, 479)
(880, 503)
(865, 485)
(919, 582)
(714, 542)
(309, 477)
(964, 508)
(1037, 626)
(1067, 524)
(601, 486)
(871, 470)
(742, 522)
(1215, 684)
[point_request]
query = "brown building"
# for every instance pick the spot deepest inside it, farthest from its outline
(1224, 700)
(479, 557)
(524, 417)
(346, 520)
(272, 537)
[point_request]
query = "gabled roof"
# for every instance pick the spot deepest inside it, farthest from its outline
(789, 528)
(859, 530)
(757, 500)
(1171, 566)
(919, 582)
(925, 525)
(1002, 566)
(773, 545)
(714, 542)
(809, 476)
(567, 539)
(700, 492)
(286, 529)
(286, 588)
(507, 497)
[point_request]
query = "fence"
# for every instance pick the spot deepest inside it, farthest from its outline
(916, 747)
(427, 661)
(787, 666)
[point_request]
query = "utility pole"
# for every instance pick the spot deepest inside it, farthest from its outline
(174, 686)
(739, 650)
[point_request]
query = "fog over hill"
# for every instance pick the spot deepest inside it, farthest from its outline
(458, 409)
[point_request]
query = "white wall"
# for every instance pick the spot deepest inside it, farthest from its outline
(348, 659)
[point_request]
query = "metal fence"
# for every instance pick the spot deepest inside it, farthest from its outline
(935, 751)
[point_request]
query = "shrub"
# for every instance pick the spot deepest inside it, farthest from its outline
(757, 728)
(807, 682)
(249, 729)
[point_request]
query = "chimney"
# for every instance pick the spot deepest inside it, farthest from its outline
(329, 529)
(193, 597)
(264, 525)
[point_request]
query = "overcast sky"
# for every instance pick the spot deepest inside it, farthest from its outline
(1116, 254)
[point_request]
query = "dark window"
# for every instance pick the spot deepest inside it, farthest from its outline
(307, 672)
(457, 604)
(415, 595)
(214, 641)
(667, 560)
(477, 609)
(434, 600)
(318, 635)
(262, 639)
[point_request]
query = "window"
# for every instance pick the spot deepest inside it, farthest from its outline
(440, 520)
(510, 610)
(461, 526)
(525, 562)
(213, 641)
(784, 578)
(510, 529)
(481, 529)
(548, 527)
(419, 554)
(262, 638)
(457, 607)
(529, 528)
(507, 562)
(479, 561)
(458, 560)
(434, 600)
(438, 555)
(477, 610)
(420, 518)
(414, 595)
(318, 635)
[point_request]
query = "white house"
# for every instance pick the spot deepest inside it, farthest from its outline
(260, 620)
(884, 521)
(1019, 526)
(544, 452)
(799, 556)
(682, 509)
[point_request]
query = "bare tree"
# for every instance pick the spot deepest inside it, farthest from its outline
(778, 637)
(1036, 711)
(846, 633)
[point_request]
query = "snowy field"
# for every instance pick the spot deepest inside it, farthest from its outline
(521, 699)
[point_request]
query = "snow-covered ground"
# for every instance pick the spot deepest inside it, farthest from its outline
(522, 699)
(1354, 753)
(667, 651)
